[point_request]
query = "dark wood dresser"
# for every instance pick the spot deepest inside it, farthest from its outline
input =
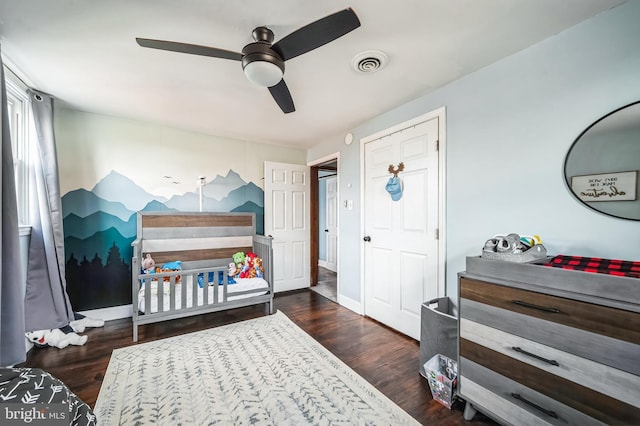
(541, 345)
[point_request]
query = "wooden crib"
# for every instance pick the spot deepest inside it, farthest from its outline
(204, 243)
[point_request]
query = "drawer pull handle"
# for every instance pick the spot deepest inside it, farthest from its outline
(538, 307)
(548, 361)
(536, 406)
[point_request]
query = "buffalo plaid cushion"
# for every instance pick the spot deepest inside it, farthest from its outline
(623, 268)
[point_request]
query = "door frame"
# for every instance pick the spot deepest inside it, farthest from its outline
(439, 113)
(314, 217)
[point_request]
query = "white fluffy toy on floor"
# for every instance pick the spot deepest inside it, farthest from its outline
(81, 323)
(59, 339)
(56, 338)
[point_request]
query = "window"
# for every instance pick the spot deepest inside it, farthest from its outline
(19, 116)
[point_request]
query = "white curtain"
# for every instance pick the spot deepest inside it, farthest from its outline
(12, 326)
(47, 304)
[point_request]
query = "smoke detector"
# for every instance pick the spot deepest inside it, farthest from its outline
(369, 61)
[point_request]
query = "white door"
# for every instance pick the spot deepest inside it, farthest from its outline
(286, 218)
(401, 254)
(331, 230)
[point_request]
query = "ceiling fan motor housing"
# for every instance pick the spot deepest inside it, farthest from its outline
(259, 63)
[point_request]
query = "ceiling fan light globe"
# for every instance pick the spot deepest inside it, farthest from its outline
(262, 73)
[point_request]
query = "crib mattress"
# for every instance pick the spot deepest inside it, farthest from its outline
(242, 284)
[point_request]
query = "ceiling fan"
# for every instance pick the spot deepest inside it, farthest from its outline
(263, 60)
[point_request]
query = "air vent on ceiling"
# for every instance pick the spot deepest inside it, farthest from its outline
(369, 61)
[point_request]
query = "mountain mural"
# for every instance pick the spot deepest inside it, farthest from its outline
(241, 195)
(100, 225)
(83, 228)
(111, 188)
(250, 207)
(98, 245)
(220, 186)
(83, 203)
(156, 206)
(187, 202)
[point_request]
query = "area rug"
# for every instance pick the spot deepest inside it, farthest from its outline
(264, 371)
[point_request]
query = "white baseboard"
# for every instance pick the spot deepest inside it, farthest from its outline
(107, 314)
(353, 305)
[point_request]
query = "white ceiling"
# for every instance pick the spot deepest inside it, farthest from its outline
(84, 53)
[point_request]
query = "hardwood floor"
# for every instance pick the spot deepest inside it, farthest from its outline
(327, 284)
(384, 357)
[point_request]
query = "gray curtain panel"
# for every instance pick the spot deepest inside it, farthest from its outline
(12, 342)
(47, 304)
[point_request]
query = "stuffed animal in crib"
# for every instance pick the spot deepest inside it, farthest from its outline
(258, 270)
(246, 267)
(245, 272)
(148, 264)
(170, 267)
(233, 271)
(56, 338)
(238, 259)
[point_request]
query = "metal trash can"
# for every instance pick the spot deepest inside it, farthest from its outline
(438, 331)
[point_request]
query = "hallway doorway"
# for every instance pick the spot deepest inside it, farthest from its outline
(324, 227)
(327, 284)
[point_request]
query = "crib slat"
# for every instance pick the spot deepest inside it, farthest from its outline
(224, 290)
(172, 293)
(147, 295)
(215, 294)
(194, 289)
(183, 292)
(160, 292)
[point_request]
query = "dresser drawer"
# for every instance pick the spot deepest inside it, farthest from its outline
(606, 380)
(577, 396)
(596, 347)
(513, 402)
(615, 323)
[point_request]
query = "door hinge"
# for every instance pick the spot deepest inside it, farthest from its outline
(437, 233)
(438, 145)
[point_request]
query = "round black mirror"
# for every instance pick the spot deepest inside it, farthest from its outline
(601, 168)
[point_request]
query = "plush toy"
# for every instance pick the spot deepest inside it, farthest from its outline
(148, 264)
(170, 267)
(238, 259)
(244, 272)
(231, 273)
(173, 266)
(258, 270)
(247, 268)
(56, 338)
(201, 279)
(81, 323)
(233, 270)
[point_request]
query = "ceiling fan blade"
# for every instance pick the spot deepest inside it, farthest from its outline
(282, 96)
(192, 49)
(317, 34)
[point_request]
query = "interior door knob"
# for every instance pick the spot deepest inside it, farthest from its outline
(326, 230)
(367, 238)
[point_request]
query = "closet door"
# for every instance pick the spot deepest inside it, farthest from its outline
(400, 237)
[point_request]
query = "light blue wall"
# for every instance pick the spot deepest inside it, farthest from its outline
(509, 127)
